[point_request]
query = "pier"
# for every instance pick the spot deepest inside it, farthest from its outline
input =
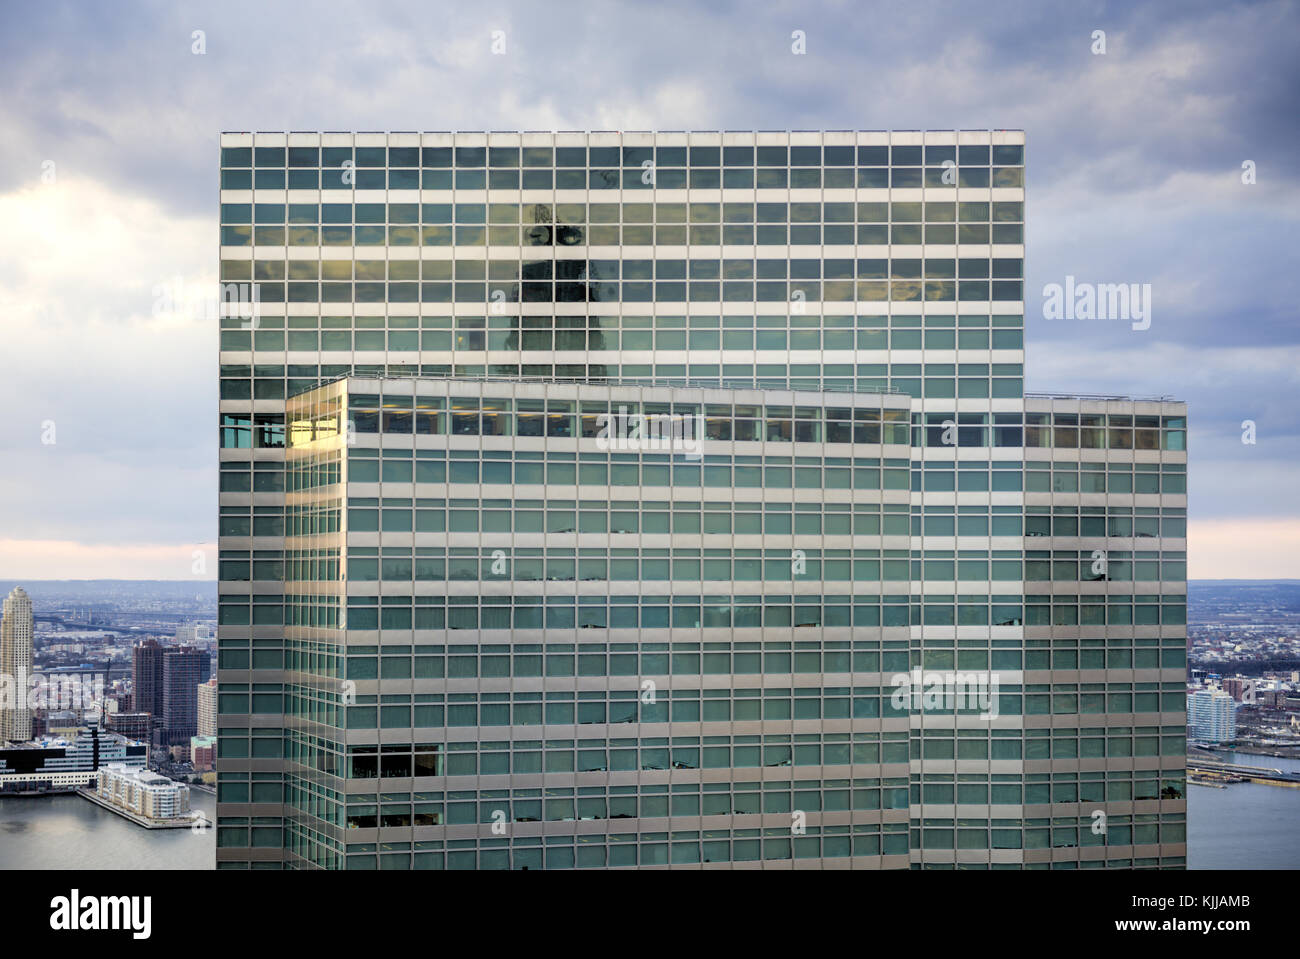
(177, 822)
(1212, 772)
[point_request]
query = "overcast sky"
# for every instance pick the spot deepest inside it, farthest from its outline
(108, 189)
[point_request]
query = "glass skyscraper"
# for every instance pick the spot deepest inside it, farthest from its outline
(673, 500)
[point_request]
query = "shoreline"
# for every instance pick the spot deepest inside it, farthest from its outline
(177, 823)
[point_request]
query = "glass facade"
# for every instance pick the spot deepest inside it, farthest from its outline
(596, 500)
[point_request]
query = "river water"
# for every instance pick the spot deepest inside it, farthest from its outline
(68, 832)
(1246, 825)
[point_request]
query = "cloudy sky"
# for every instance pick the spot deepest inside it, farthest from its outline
(108, 192)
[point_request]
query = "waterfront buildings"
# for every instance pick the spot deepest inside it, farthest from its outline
(878, 609)
(60, 764)
(142, 792)
(1211, 716)
(16, 635)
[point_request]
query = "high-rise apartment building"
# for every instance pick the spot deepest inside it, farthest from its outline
(673, 500)
(1212, 716)
(147, 679)
(207, 708)
(183, 668)
(16, 641)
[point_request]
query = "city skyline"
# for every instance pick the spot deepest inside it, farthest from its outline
(1138, 178)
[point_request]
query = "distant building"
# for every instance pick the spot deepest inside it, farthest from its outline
(77, 690)
(146, 674)
(183, 669)
(64, 723)
(1212, 716)
(1233, 686)
(191, 633)
(1274, 698)
(203, 752)
(131, 725)
(16, 663)
(60, 764)
(142, 792)
(207, 699)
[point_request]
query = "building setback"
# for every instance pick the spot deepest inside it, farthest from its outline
(673, 501)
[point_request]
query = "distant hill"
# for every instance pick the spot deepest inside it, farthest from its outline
(114, 590)
(1243, 582)
(1257, 601)
(1242, 587)
(1275, 594)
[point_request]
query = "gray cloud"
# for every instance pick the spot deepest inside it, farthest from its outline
(1134, 176)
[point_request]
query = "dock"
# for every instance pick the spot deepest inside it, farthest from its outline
(1225, 773)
